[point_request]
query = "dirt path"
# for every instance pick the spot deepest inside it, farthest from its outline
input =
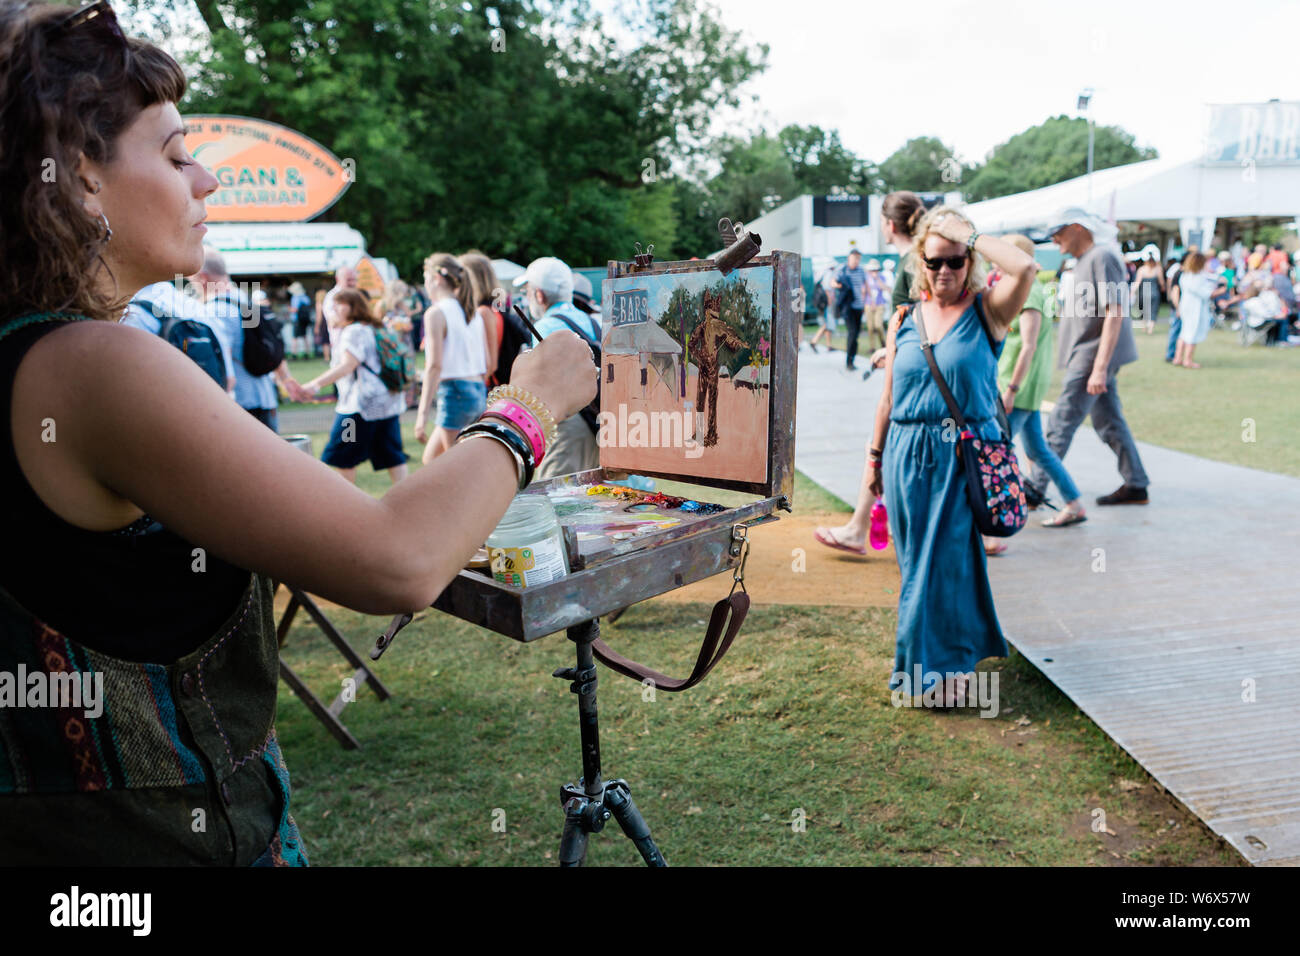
(787, 566)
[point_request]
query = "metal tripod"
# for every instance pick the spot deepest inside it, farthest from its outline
(589, 803)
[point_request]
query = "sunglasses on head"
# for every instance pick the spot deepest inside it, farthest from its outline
(99, 15)
(952, 262)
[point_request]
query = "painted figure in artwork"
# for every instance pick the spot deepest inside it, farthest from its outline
(711, 334)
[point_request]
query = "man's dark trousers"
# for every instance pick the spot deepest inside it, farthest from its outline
(853, 322)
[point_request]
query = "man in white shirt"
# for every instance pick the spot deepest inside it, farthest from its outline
(344, 278)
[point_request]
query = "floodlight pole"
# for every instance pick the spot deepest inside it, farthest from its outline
(1084, 99)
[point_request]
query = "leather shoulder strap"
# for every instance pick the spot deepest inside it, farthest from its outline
(718, 639)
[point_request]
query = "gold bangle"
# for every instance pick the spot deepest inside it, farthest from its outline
(530, 402)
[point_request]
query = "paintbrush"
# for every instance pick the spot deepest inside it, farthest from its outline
(523, 317)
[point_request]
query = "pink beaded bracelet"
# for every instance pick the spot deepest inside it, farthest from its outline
(519, 416)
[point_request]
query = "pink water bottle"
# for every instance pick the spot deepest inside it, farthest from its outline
(879, 536)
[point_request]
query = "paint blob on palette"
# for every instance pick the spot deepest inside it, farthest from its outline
(601, 516)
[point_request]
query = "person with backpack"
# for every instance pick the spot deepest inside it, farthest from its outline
(548, 285)
(367, 416)
(455, 356)
(256, 354)
(164, 310)
(303, 314)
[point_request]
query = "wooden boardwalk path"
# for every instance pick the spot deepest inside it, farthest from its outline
(1175, 626)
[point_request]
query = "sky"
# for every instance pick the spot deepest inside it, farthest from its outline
(976, 73)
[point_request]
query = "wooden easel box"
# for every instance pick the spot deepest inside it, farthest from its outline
(655, 563)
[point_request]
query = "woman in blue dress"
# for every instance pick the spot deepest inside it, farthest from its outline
(946, 619)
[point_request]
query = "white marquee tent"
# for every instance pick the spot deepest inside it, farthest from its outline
(1157, 196)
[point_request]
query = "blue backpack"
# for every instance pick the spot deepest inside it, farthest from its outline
(192, 337)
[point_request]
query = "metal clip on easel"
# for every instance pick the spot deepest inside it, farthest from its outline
(643, 260)
(741, 245)
(739, 549)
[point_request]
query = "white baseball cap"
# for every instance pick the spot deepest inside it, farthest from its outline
(550, 275)
(1071, 215)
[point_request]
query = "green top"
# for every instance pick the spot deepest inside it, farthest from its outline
(902, 285)
(1034, 387)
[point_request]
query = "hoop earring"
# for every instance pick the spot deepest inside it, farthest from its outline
(108, 232)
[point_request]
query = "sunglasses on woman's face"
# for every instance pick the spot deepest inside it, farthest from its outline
(952, 262)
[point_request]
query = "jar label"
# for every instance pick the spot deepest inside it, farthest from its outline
(522, 567)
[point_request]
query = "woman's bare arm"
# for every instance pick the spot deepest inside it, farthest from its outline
(139, 426)
(347, 365)
(490, 335)
(1019, 270)
(434, 328)
(885, 405)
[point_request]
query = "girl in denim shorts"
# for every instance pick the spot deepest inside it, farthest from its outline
(455, 355)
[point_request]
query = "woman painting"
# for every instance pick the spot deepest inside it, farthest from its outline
(946, 619)
(141, 545)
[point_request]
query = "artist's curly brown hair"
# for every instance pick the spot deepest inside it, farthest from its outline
(64, 91)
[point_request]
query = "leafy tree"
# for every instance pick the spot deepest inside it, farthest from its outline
(923, 164)
(1049, 153)
(522, 127)
(822, 164)
(697, 220)
(756, 177)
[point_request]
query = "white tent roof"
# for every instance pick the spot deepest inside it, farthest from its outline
(270, 248)
(507, 271)
(1156, 189)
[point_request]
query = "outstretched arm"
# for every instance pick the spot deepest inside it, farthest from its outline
(885, 405)
(212, 473)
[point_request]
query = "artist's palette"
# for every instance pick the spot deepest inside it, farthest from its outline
(600, 516)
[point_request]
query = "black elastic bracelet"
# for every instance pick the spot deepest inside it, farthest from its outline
(513, 439)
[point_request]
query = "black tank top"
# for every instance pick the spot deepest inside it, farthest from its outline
(132, 593)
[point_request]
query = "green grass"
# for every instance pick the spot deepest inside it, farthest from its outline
(795, 722)
(1209, 411)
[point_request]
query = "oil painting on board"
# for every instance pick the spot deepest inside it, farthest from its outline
(685, 382)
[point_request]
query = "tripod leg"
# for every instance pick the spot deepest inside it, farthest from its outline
(573, 841)
(618, 797)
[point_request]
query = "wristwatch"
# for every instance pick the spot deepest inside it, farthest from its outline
(1013, 388)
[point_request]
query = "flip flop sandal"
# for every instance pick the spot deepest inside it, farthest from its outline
(1064, 520)
(824, 536)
